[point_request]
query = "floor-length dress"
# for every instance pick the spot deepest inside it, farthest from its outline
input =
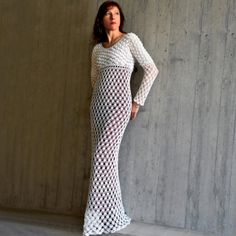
(110, 112)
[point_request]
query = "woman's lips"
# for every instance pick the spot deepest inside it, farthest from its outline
(113, 23)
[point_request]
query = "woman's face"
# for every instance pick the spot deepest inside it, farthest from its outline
(111, 19)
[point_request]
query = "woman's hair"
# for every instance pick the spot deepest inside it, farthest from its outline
(99, 32)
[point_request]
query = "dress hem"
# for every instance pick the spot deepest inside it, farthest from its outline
(112, 231)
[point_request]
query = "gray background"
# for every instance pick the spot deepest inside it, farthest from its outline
(177, 159)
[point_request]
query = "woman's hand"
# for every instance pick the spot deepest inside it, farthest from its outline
(134, 111)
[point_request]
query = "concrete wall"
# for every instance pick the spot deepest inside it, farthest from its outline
(44, 113)
(177, 159)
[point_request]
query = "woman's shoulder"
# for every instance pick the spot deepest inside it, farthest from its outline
(95, 48)
(131, 34)
(133, 37)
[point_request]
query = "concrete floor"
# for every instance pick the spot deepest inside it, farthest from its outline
(18, 224)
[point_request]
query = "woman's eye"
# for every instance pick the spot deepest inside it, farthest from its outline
(109, 13)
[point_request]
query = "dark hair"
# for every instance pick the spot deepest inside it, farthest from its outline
(99, 32)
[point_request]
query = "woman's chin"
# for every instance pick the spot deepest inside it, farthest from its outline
(113, 28)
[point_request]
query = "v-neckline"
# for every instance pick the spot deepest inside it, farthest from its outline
(115, 42)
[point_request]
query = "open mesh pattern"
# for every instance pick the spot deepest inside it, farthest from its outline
(110, 112)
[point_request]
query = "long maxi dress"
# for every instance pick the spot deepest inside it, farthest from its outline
(110, 111)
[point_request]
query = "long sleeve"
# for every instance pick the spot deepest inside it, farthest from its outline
(94, 68)
(146, 62)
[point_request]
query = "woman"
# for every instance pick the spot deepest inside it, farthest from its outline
(111, 108)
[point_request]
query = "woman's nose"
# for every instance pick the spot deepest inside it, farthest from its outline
(112, 16)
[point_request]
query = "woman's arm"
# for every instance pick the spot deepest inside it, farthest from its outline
(94, 69)
(150, 70)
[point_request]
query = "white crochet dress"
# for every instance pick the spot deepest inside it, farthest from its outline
(110, 112)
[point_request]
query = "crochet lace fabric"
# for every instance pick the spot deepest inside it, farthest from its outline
(110, 112)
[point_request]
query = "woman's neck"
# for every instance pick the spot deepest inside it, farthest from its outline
(113, 36)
